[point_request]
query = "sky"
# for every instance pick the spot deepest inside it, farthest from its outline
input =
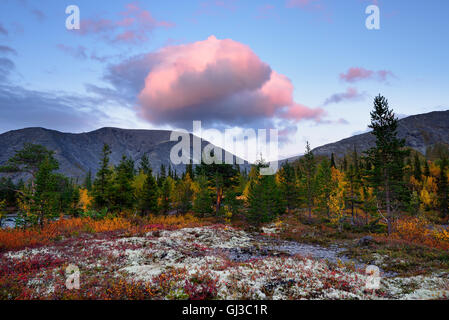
(308, 68)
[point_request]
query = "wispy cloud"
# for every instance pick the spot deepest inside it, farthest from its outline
(6, 68)
(311, 5)
(304, 4)
(351, 94)
(267, 11)
(3, 30)
(7, 50)
(134, 25)
(213, 7)
(356, 74)
(22, 107)
(78, 52)
(39, 14)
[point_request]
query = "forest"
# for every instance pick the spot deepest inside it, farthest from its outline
(367, 191)
(392, 196)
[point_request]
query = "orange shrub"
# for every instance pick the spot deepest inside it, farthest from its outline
(18, 238)
(419, 231)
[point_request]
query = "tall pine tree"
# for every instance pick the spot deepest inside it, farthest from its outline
(387, 158)
(150, 194)
(289, 186)
(264, 198)
(102, 182)
(309, 178)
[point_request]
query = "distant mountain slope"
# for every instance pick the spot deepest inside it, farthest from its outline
(419, 131)
(79, 153)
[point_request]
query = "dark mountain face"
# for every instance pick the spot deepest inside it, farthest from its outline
(79, 153)
(419, 131)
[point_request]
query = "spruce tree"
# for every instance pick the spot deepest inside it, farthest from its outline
(309, 178)
(443, 188)
(184, 194)
(353, 179)
(417, 172)
(166, 194)
(102, 182)
(88, 181)
(426, 168)
(150, 194)
(324, 181)
(161, 176)
(387, 158)
(46, 197)
(122, 195)
(333, 165)
(289, 186)
(203, 202)
(145, 164)
(264, 198)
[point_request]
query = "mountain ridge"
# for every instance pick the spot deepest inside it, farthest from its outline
(419, 131)
(78, 153)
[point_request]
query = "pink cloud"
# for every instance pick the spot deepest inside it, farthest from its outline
(311, 5)
(76, 52)
(209, 7)
(300, 3)
(355, 74)
(133, 26)
(351, 94)
(221, 81)
(267, 11)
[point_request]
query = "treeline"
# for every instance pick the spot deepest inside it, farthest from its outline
(357, 191)
(127, 188)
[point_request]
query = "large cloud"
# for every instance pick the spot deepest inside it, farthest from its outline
(221, 82)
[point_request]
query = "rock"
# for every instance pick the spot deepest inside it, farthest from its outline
(365, 241)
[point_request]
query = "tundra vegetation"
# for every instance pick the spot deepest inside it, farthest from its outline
(209, 232)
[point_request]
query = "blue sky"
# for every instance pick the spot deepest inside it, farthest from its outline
(60, 79)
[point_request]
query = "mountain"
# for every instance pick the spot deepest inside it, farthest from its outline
(79, 153)
(419, 131)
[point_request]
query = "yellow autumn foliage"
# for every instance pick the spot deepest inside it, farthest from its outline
(434, 170)
(85, 200)
(428, 194)
(336, 200)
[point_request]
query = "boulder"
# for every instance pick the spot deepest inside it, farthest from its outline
(365, 241)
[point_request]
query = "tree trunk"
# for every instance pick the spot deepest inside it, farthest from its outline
(352, 204)
(388, 202)
(219, 198)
